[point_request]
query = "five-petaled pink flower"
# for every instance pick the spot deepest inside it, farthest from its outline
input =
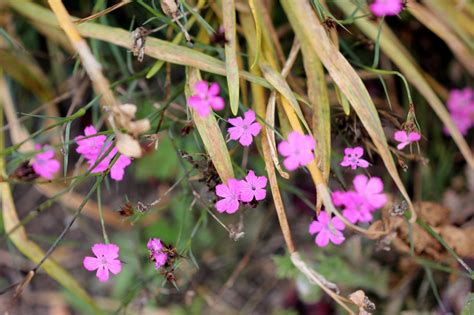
(298, 150)
(405, 138)
(371, 190)
(325, 232)
(90, 144)
(244, 129)
(352, 158)
(461, 108)
(94, 149)
(43, 163)
(386, 7)
(206, 97)
(156, 252)
(106, 260)
(231, 196)
(253, 187)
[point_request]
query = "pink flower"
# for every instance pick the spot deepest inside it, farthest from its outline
(352, 158)
(156, 252)
(356, 207)
(359, 204)
(106, 260)
(325, 233)
(231, 196)
(406, 138)
(298, 150)
(386, 7)
(244, 129)
(461, 108)
(94, 149)
(205, 98)
(90, 147)
(44, 164)
(371, 190)
(253, 187)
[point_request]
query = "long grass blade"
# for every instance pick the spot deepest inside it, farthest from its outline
(231, 65)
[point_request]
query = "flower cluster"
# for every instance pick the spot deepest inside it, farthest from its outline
(43, 163)
(157, 252)
(359, 204)
(206, 98)
(386, 7)
(461, 108)
(95, 150)
(297, 150)
(235, 191)
(107, 260)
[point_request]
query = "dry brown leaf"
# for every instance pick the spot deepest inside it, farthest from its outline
(128, 146)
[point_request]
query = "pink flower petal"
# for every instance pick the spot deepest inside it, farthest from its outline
(338, 224)
(249, 117)
(363, 163)
(360, 183)
(323, 218)
(100, 250)
(201, 87)
(217, 103)
(374, 185)
(222, 190)
(260, 194)
(115, 266)
(246, 139)
(291, 163)
(102, 274)
(284, 148)
(91, 263)
(322, 239)
(214, 89)
(401, 136)
(414, 136)
(351, 214)
(315, 227)
(336, 238)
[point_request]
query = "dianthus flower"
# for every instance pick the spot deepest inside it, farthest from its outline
(94, 149)
(205, 98)
(405, 138)
(461, 108)
(156, 252)
(297, 150)
(244, 129)
(353, 158)
(386, 7)
(359, 204)
(230, 194)
(324, 232)
(43, 163)
(253, 187)
(106, 260)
